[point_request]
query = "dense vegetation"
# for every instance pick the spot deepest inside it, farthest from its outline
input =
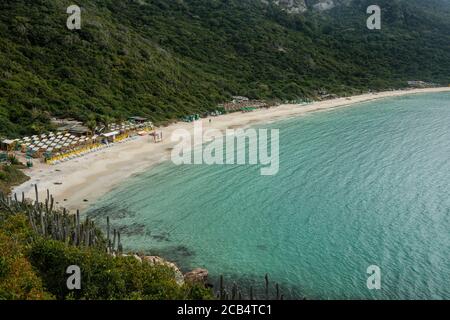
(168, 58)
(34, 267)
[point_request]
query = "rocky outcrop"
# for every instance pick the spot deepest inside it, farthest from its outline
(155, 260)
(198, 275)
(300, 6)
(324, 5)
(293, 6)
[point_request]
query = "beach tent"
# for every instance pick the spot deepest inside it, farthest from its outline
(7, 145)
(111, 136)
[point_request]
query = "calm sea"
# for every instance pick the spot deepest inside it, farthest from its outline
(358, 186)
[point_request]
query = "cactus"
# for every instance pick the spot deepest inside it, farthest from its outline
(114, 240)
(278, 291)
(221, 289)
(37, 194)
(266, 278)
(78, 228)
(234, 291)
(119, 244)
(108, 240)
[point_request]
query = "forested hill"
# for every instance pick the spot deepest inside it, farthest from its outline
(168, 58)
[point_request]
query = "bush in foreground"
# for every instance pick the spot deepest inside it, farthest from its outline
(32, 267)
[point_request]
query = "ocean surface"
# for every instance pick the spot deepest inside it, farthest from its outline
(364, 185)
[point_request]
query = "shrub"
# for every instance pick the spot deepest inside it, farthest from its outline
(18, 280)
(13, 160)
(106, 277)
(33, 267)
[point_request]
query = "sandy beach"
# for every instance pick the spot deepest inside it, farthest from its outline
(78, 183)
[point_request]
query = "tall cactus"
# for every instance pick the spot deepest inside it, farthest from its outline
(221, 288)
(37, 194)
(108, 230)
(266, 278)
(119, 244)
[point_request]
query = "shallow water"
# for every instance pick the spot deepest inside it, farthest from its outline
(358, 186)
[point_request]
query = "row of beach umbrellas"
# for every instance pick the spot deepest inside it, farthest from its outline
(50, 142)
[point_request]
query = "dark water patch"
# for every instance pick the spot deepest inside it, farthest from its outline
(161, 237)
(112, 211)
(134, 229)
(261, 247)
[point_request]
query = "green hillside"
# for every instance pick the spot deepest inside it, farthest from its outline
(166, 58)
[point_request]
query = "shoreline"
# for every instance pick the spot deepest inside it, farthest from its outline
(93, 175)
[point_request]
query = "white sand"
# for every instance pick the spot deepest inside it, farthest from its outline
(93, 175)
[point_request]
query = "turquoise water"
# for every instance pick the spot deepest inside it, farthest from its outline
(357, 186)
